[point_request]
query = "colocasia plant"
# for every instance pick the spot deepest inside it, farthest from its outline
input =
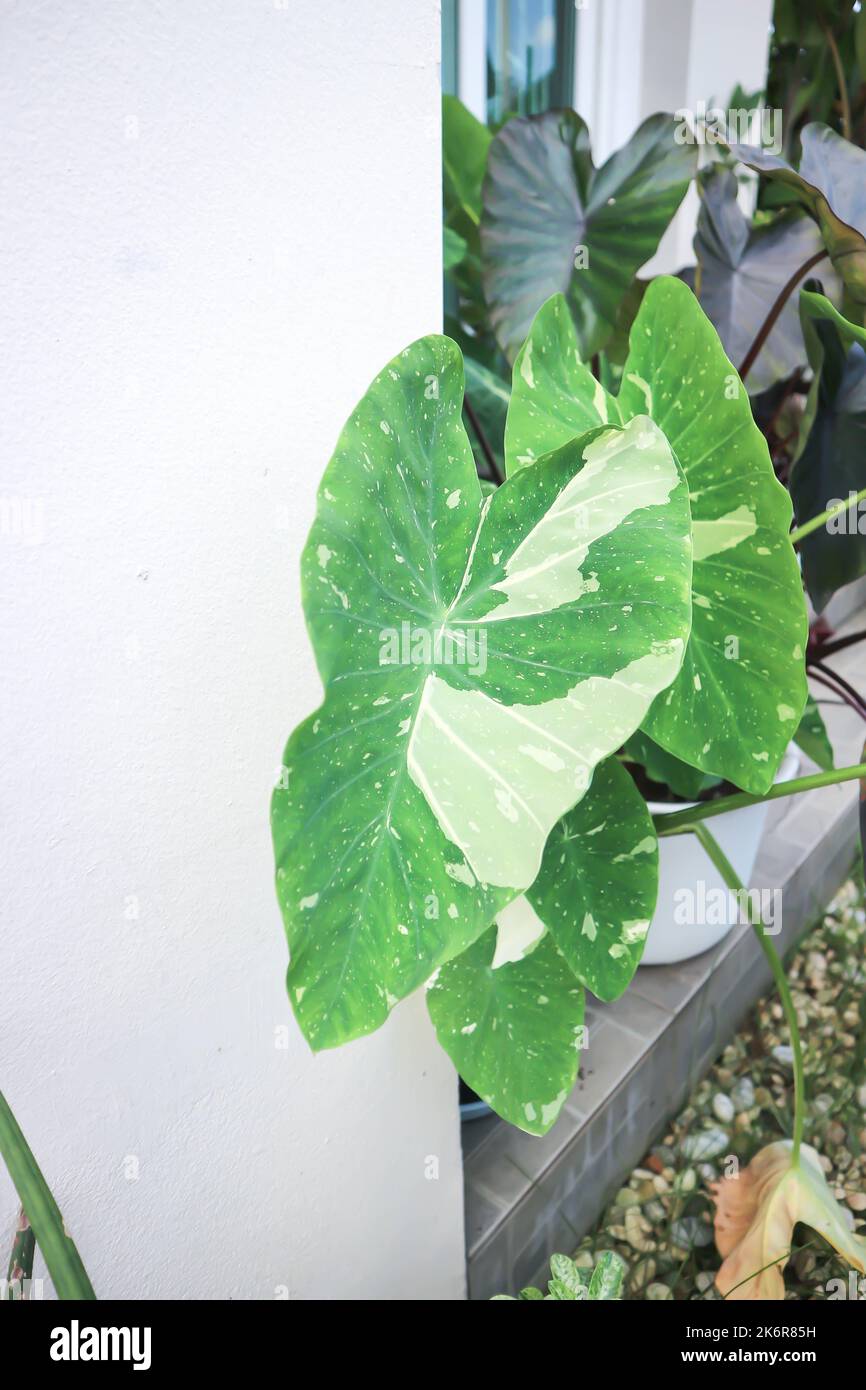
(492, 656)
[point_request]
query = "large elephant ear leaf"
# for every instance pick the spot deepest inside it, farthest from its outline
(597, 886)
(742, 272)
(480, 656)
(738, 699)
(830, 464)
(831, 183)
(552, 223)
(513, 1032)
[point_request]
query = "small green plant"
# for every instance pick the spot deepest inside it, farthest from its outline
(571, 1282)
(41, 1220)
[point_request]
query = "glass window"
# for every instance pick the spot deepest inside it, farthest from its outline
(530, 57)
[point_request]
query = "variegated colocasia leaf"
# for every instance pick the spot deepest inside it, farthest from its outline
(514, 1032)
(596, 889)
(738, 699)
(480, 656)
(553, 223)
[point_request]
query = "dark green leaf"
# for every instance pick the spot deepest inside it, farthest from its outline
(832, 462)
(553, 223)
(831, 183)
(743, 270)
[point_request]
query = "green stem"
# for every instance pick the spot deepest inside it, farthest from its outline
(725, 868)
(678, 822)
(58, 1250)
(808, 527)
(841, 80)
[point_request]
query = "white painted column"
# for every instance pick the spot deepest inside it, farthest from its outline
(219, 221)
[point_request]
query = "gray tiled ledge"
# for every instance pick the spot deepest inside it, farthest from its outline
(527, 1197)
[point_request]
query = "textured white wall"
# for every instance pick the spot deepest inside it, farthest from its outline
(218, 221)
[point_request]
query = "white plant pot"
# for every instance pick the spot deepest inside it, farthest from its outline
(677, 932)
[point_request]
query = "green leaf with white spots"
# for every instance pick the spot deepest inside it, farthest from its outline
(514, 1032)
(813, 738)
(552, 222)
(597, 886)
(479, 655)
(607, 1277)
(738, 699)
(563, 1268)
(661, 766)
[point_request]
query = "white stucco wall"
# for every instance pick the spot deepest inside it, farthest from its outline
(218, 221)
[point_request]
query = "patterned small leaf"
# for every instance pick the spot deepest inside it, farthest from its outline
(513, 1032)
(607, 1277)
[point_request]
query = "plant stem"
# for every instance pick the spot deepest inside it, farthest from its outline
(677, 822)
(840, 80)
(483, 441)
(845, 699)
(726, 870)
(808, 527)
(58, 1250)
(781, 300)
(817, 670)
(838, 644)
